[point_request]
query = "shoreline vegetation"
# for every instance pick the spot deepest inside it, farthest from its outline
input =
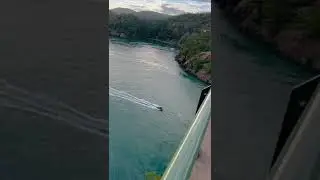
(189, 33)
(291, 27)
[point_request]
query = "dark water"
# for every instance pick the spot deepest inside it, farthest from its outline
(252, 87)
(57, 50)
(143, 139)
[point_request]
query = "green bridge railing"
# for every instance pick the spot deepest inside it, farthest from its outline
(183, 160)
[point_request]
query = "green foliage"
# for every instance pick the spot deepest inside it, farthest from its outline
(197, 66)
(191, 32)
(152, 176)
(195, 43)
(124, 23)
(171, 29)
(191, 48)
(207, 67)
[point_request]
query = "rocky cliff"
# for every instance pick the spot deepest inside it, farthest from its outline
(198, 65)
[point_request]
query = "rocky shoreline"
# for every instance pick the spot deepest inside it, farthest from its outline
(188, 66)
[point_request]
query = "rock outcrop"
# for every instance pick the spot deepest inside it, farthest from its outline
(198, 65)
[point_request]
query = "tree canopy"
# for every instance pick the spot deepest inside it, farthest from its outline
(191, 33)
(171, 29)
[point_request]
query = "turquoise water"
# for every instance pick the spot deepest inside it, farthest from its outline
(143, 139)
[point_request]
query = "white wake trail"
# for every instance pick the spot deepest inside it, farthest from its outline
(129, 97)
(124, 94)
(132, 100)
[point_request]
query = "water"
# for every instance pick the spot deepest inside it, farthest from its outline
(142, 78)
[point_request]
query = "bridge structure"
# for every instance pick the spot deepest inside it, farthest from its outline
(192, 158)
(296, 153)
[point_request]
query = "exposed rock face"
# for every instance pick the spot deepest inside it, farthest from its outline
(199, 65)
(204, 76)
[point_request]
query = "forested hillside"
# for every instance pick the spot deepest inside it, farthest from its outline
(170, 29)
(190, 33)
(146, 15)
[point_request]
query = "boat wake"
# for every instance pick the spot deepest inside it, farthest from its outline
(129, 97)
(22, 100)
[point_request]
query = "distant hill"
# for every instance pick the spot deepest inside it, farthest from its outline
(190, 33)
(122, 11)
(150, 15)
(145, 15)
